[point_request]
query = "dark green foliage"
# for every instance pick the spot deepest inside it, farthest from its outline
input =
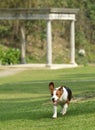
(4, 30)
(9, 56)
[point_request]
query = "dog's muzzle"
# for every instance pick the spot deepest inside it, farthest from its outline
(54, 101)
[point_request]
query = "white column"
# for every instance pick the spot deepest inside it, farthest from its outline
(72, 42)
(49, 43)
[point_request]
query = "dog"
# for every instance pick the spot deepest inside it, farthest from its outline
(62, 96)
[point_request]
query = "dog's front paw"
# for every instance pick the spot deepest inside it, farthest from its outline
(54, 116)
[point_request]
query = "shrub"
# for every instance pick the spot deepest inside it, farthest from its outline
(9, 56)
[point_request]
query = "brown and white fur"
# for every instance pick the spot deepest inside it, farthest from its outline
(62, 96)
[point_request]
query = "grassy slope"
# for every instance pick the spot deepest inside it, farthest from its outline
(25, 100)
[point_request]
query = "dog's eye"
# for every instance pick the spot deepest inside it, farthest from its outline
(52, 94)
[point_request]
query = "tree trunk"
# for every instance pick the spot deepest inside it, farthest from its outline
(23, 45)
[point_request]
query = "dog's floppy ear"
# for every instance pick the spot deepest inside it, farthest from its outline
(51, 87)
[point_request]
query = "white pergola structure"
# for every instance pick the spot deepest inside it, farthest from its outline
(48, 14)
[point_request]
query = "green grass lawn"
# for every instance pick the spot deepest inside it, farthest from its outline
(25, 100)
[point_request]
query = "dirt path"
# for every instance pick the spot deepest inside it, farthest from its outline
(9, 71)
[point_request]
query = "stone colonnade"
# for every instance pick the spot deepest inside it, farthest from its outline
(48, 14)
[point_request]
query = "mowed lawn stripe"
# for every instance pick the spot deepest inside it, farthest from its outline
(25, 100)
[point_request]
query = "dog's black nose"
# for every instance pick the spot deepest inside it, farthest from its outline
(53, 99)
